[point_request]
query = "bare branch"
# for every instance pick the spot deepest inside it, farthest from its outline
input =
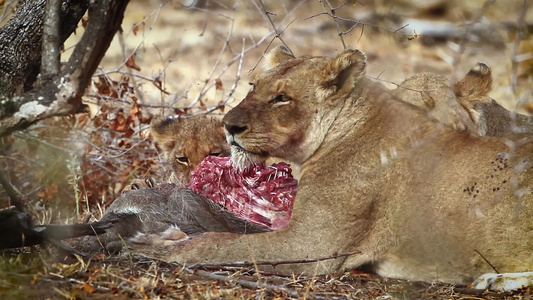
(274, 262)
(205, 88)
(268, 46)
(244, 283)
(487, 261)
(21, 40)
(468, 31)
(196, 269)
(359, 22)
(332, 10)
(50, 55)
(235, 83)
(278, 34)
(15, 196)
(61, 95)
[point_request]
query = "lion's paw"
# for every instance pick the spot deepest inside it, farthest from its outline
(172, 236)
(503, 282)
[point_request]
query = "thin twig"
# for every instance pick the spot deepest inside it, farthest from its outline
(8, 7)
(335, 20)
(278, 34)
(241, 282)
(270, 43)
(215, 65)
(228, 65)
(205, 20)
(399, 85)
(16, 197)
(233, 87)
(195, 270)
(487, 261)
(274, 262)
(468, 30)
(358, 22)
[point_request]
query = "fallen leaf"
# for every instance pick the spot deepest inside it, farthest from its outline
(88, 288)
(358, 273)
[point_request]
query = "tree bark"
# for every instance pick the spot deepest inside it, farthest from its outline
(21, 39)
(59, 95)
(51, 57)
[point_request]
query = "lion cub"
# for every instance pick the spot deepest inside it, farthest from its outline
(185, 142)
(465, 105)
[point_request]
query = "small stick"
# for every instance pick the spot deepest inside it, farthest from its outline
(335, 20)
(467, 32)
(400, 86)
(16, 197)
(488, 262)
(241, 282)
(278, 34)
(395, 31)
(273, 262)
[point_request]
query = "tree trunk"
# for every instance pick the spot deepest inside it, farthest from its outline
(21, 39)
(59, 95)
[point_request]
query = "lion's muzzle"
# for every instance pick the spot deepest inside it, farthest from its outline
(234, 122)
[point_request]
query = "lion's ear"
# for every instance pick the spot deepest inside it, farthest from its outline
(341, 72)
(163, 130)
(276, 56)
(476, 83)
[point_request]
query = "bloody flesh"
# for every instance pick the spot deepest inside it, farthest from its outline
(260, 194)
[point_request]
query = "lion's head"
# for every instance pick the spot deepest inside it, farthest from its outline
(185, 142)
(291, 105)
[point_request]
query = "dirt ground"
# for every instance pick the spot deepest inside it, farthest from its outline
(189, 59)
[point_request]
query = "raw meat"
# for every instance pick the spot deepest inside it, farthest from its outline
(263, 195)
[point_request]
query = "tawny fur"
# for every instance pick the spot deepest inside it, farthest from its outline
(465, 105)
(414, 197)
(185, 142)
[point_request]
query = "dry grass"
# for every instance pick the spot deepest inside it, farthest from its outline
(32, 276)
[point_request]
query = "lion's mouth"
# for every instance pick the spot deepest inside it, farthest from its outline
(241, 148)
(243, 158)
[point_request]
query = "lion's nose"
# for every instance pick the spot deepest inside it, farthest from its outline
(235, 129)
(236, 120)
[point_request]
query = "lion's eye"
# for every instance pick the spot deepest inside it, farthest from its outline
(280, 98)
(183, 160)
(215, 154)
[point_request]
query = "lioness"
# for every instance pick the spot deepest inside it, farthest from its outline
(465, 105)
(411, 198)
